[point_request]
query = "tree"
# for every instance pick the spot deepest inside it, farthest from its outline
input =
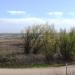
(44, 39)
(67, 45)
(27, 41)
(49, 42)
(33, 40)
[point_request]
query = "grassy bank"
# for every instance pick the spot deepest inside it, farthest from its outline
(29, 65)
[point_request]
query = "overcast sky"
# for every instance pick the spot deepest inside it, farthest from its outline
(15, 15)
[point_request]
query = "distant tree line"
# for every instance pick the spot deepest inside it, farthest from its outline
(54, 45)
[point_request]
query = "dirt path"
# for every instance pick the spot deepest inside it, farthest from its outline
(38, 71)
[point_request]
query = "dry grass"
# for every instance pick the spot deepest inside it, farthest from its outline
(10, 45)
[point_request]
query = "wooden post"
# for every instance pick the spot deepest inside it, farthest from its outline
(66, 69)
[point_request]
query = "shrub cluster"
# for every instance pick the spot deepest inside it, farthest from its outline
(57, 46)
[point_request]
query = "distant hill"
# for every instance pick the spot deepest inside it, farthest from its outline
(10, 35)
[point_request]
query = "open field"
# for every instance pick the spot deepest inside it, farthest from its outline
(39, 71)
(12, 51)
(10, 44)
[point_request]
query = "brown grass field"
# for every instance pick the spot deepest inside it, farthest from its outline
(10, 46)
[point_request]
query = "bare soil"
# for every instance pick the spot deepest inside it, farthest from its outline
(39, 71)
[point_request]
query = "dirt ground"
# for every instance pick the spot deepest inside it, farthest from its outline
(39, 71)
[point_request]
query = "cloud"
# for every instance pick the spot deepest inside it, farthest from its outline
(14, 25)
(56, 13)
(35, 20)
(50, 13)
(71, 13)
(62, 23)
(58, 23)
(16, 12)
(21, 21)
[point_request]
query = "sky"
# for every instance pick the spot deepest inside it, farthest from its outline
(15, 15)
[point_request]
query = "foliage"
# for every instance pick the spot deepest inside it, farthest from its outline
(44, 39)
